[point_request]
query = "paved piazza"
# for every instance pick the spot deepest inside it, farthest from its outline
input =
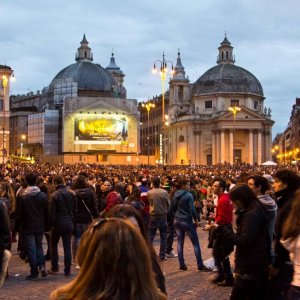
(186, 285)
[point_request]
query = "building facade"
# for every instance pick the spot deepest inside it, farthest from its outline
(286, 145)
(6, 75)
(220, 118)
(82, 116)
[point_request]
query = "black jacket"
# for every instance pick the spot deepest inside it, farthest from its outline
(32, 211)
(251, 240)
(62, 209)
(284, 203)
(5, 240)
(86, 206)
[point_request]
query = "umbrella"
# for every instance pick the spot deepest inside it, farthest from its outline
(269, 163)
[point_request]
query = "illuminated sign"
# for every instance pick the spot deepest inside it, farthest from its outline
(100, 130)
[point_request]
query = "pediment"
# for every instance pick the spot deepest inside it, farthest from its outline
(244, 114)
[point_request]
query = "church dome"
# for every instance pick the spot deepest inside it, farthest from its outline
(89, 76)
(226, 77)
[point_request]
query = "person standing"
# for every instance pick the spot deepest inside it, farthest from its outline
(291, 241)
(223, 218)
(252, 253)
(182, 206)
(112, 197)
(260, 186)
(286, 182)
(159, 201)
(32, 221)
(5, 241)
(87, 210)
(62, 209)
(144, 198)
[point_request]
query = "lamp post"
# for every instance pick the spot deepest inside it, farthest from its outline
(7, 73)
(163, 66)
(148, 107)
(234, 110)
(23, 138)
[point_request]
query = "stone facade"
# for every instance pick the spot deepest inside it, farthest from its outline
(62, 123)
(202, 128)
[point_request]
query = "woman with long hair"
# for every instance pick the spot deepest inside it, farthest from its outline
(115, 265)
(291, 241)
(252, 255)
(127, 212)
(286, 182)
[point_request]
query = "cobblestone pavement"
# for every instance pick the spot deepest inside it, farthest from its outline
(187, 285)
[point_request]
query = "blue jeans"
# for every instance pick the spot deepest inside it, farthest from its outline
(181, 228)
(66, 236)
(35, 252)
(80, 228)
(161, 224)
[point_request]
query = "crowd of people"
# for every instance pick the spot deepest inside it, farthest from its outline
(249, 212)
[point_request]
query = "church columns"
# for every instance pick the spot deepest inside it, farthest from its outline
(197, 151)
(213, 147)
(259, 147)
(267, 145)
(231, 146)
(250, 147)
(222, 147)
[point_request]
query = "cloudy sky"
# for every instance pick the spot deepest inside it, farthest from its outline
(39, 38)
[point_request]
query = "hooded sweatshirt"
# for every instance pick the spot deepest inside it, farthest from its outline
(32, 211)
(293, 246)
(271, 207)
(182, 205)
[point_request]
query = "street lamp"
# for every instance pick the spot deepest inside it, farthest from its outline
(148, 107)
(234, 110)
(163, 66)
(23, 138)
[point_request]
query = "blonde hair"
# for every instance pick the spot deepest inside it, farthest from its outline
(115, 264)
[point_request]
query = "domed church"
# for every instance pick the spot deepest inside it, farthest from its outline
(82, 116)
(220, 118)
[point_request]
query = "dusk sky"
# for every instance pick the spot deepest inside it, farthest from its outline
(39, 38)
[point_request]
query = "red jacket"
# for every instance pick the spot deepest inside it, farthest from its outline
(113, 199)
(224, 210)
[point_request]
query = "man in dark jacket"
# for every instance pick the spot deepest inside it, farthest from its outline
(32, 221)
(5, 240)
(62, 210)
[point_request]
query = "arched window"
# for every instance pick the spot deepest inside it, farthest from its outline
(181, 139)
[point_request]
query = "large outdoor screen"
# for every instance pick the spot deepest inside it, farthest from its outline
(101, 130)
